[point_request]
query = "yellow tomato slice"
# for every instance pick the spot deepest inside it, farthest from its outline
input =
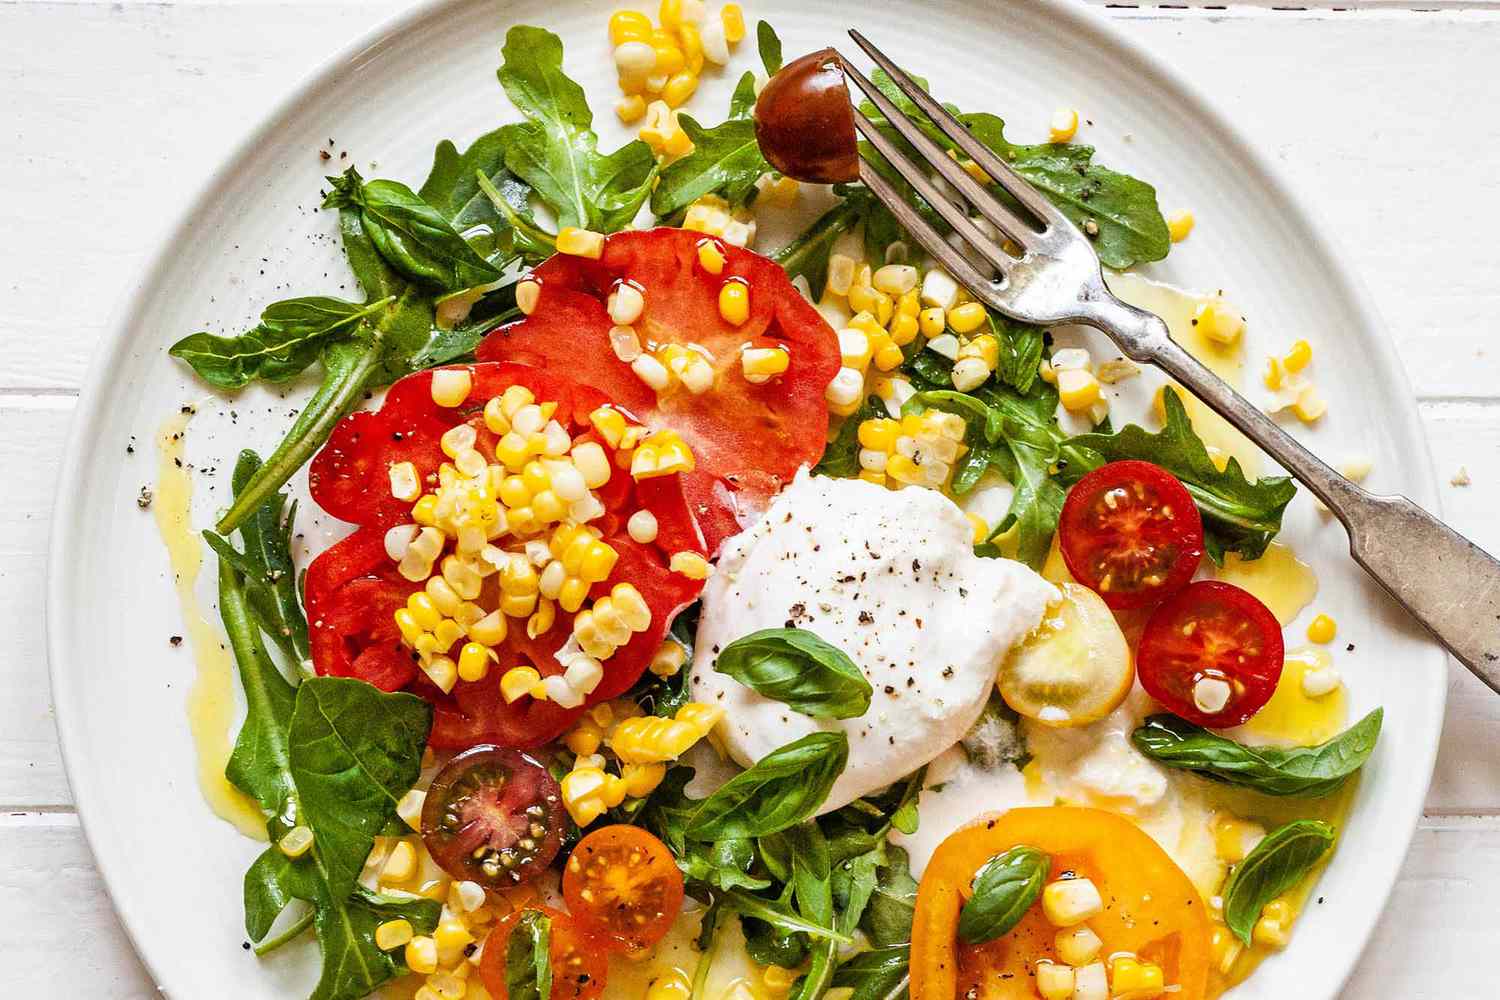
(1150, 907)
(1075, 668)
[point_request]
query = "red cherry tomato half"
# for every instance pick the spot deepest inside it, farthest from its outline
(804, 121)
(1131, 533)
(747, 439)
(1217, 635)
(623, 886)
(493, 816)
(579, 964)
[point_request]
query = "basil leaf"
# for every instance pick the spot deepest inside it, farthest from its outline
(770, 47)
(556, 150)
(1004, 890)
(725, 161)
(1278, 862)
(528, 957)
(1306, 772)
(288, 338)
(1238, 515)
(877, 974)
(784, 788)
(800, 670)
(413, 237)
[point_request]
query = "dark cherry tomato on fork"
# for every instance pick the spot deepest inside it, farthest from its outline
(493, 816)
(1131, 533)
(1211, 654)
(804, 121)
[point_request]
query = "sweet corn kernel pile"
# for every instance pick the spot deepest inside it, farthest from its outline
(659, 65)
(500, 542)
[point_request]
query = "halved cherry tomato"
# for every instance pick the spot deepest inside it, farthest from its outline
(748, 440)
(1150, 907)
(493, 816)
(1216, 633)
(804, 121)
(622, 885)
(1131, 532)
(353, 589)
(579, 966)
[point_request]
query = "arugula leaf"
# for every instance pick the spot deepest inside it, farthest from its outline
(807, 255)
(528, 957)
(1305, 772)
(841, 455)
(799, 669)
(779, 915)
(1004, 889)
(353, 966)
(742, 101)
(1278, 862)
(556, 150)
(1238, 516)
(452, 187)
(893, 903)
(287, 339)
(726, 161)
(414, 238)
(784, 788)
(877, 974)
(770, 47)
(1021, 347)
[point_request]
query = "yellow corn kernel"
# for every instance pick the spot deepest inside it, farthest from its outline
(511, 450)
(641, 779)
(1322, 629)
(574, 592)
(879, 434)
(1077, 389)
(966, 318)
(670, 13)
(781, 193)
(518, 681)
(1275, 376)
(628, 26)
(710, 257)
(932, 321)
(580, 242)
(652, 740)
(296, 841)
(424, 512)
(630, 109)
(1064, 125)
(661, 454)
(673, 985)
(904, 329)
(584, 739)
(1309, 406)
(451, 935)
(668, 659)
(864, 298)
(669, 55)
(598, 562)
(423, 610)
(888, 356)
(733, 19)
(582, 790)
(490, 630)
(679, 88)
(871, 476)
(1077, 945)
(734, 302)
(401, 865)
(1219, 322)
(1225, 948)
(1269, 934)
(1179, 224)
(422, 955)
(985, 347)
(761, 364)
(474, 661)
(542, 620)
(1132, 979)
(407, 623)
(690, 564)
(1279, 910)
(980, 525)
(1054, 981)
(610, 423)
(1298, 357)
(393, 934)
(779, 979)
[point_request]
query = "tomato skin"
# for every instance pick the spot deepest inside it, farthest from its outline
(747, 440)
(579, 967)
(804, 121)
(1130, 532)
(492, 791)
(1234, 637)
(623, 886)
(1151, 907)
(353, 589)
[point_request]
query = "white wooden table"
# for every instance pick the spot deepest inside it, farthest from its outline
(111, 111)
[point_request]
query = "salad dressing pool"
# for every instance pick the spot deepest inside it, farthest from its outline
(211, 706)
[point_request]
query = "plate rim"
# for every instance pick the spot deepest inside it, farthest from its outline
(1088, 19)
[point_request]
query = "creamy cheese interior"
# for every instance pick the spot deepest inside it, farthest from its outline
(891, 579)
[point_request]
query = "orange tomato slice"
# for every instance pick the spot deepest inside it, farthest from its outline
(1150, 906)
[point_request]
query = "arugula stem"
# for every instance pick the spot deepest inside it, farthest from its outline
(342, 386)
(745, 904)
(705, 963)
(301, 924)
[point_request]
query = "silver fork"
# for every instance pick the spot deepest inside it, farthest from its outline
(1446, 581)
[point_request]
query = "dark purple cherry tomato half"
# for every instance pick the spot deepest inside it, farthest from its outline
(804, 121)
(493, 816)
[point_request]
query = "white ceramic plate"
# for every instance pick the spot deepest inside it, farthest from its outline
(251, 237)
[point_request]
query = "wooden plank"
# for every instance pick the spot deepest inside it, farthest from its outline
(1382, 160)
(1441, 917)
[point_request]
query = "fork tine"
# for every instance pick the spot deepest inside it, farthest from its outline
(1012, 225)
(1004, 174)
(917, 178)
(920, 229)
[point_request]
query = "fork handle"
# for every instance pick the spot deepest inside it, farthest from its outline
(1447, 582)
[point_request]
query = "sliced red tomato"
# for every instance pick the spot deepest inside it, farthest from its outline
(623, 886)
(354, 590)
(1218, 636)
(748, 439)
(579, 964)
(1131, 533)
(493, 816)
